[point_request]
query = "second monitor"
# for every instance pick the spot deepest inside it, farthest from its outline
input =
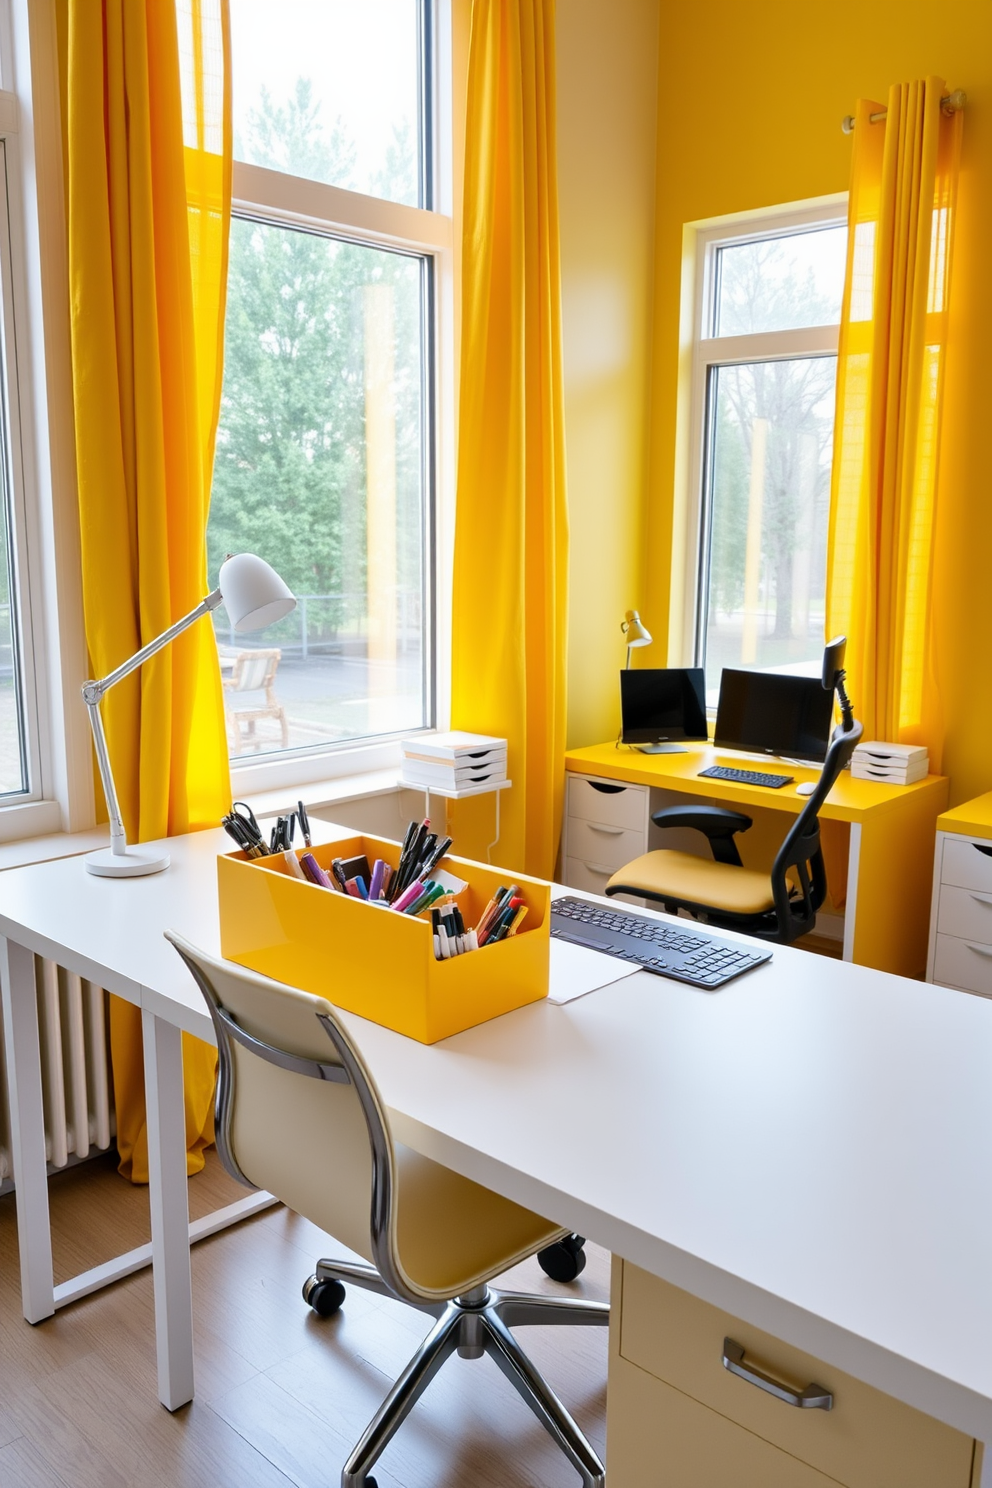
(774, 713)
(661, 704)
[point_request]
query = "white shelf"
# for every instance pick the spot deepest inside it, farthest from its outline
(454, 795)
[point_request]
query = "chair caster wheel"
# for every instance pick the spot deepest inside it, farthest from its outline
(325, 1297)
(564, 1260)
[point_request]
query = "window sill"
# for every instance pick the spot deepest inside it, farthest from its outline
(45, 849)
(318, 795)
(30, 819)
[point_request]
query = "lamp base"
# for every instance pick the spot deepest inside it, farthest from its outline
(134, 862)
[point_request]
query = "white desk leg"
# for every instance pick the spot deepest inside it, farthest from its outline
(27, 1129)
(169, 1209)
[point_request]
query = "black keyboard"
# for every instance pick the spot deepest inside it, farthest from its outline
(667, 950)
(747, 777)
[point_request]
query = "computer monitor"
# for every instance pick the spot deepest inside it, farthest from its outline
(661, 704)
(772, 713)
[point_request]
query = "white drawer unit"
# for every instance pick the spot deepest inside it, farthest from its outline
(961, 914)
(606, 825)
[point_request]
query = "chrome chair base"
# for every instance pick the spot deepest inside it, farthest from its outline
(477, 1323)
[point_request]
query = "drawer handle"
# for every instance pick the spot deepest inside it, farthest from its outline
(979, 950)
(603, 872)
(982, 898)
(814, 1397)
(606, 790)
(979, 848)
(618, 832)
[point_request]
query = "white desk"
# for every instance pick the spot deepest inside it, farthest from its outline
(808, 1149)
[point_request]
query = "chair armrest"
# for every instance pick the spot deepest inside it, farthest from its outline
(714, 821)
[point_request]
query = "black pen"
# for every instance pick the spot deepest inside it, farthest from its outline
(304, 821)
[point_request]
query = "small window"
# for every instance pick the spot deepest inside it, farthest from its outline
(764, 415)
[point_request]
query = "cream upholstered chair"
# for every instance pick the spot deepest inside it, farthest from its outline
(298, 1113)
(779, 906)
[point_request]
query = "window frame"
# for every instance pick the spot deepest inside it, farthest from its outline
(269, 196)
(707, 353)
(30, 811)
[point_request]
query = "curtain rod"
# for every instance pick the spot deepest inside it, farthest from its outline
(949, 104)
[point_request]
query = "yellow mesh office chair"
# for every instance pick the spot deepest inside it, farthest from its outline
(780, 906)
(298, 1113)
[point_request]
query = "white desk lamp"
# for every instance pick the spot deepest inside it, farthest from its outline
(254, 596)
(636, 632)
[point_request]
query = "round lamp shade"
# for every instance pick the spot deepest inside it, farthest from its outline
(254, 594)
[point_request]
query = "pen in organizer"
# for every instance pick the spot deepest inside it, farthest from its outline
(404, 853)
(304, 821)
(293, 864)
(410, 860)
(375, 887)
(408, 896)
(236, 828)
(508, 908)
(434, 857)
(314, 872)
(493, 910)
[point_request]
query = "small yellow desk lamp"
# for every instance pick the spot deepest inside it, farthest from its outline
(636, 632)
(254, 596)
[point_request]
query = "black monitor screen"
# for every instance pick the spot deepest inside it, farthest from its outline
(662, 703)
(774, 714)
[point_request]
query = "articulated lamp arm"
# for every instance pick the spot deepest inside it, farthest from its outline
(93, 693)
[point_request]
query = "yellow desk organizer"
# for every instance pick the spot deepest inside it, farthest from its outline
(373, 961)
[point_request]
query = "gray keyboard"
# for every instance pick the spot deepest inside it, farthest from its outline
(667, 950)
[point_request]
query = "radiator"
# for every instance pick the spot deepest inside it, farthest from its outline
(72, 1020)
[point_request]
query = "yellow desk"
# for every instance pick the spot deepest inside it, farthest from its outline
(886, 833)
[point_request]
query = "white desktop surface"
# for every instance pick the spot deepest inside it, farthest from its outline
(809, 1148)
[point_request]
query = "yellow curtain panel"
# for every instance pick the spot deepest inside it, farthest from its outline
(886, 437)
(149, 189)
(511, 530)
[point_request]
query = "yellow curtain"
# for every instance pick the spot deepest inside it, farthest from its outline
(889, 376)
(511, 532)
(149, 189)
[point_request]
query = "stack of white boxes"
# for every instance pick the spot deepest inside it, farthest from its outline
(896, 764)
(453, 763)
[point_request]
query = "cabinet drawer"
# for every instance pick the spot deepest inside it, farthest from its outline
(963, 963)
(609, 802)
(963, 863)
(966, 913)
(592, 878)
(659, 1438)
(868, 1439)
(609, 846)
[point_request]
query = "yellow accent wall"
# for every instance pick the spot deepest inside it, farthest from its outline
(751, 99)
(607, 110)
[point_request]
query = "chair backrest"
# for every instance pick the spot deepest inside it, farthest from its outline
(298, 1112)
(801, 848)
(254, 670)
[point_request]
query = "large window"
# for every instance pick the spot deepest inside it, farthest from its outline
(768, 303)
(324, 459)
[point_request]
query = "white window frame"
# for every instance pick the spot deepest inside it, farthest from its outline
(705, 352)
(276, 197)
(32, 811)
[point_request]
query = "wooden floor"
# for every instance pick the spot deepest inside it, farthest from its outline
(282, 1396)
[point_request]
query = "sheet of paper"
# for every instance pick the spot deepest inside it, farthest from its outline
(576, 971)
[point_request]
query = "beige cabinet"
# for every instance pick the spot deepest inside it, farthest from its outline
(677, 1418)
(606, 826)
(961, 914)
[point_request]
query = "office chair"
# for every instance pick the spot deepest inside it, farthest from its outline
(299, 1114)
(721, 891)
